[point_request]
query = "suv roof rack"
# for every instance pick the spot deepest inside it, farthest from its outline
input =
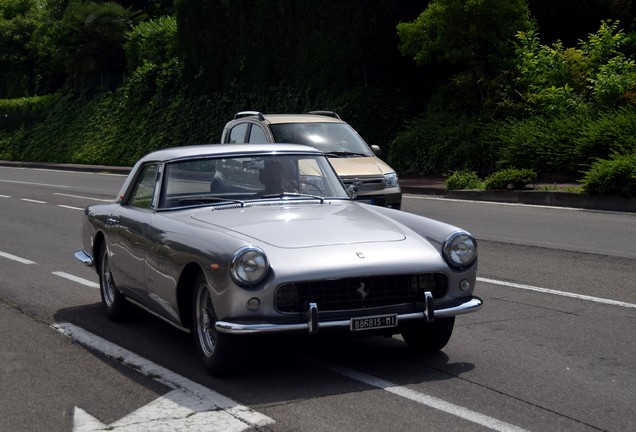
(325, 113)
(249, 114)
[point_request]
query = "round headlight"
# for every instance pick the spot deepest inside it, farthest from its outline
(249, 266)
(460, 249)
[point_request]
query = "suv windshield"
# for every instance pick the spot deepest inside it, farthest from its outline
(326, 137)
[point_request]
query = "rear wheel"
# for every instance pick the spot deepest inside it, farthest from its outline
(217, 350)
(429, 337)
(114, 302)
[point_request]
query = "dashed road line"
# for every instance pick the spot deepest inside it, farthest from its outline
(32, 201)
(16, 258)
(70, 207)
(77, 279)
(84, 197)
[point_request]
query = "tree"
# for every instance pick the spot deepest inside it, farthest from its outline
(476, 35)
(96, 39)
(27, 51)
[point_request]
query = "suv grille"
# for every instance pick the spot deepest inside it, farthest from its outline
(368, 183)
(360, 292)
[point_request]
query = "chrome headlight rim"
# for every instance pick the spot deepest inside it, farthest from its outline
(391, 180)
(249, 266)
(460, 249)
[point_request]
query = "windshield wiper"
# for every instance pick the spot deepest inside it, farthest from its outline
(343, 154)
(202, 200)
(293, 195)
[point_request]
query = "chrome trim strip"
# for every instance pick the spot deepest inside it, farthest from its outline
(85, 258)
(471, 305)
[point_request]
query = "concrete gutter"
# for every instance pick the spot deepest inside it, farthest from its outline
(424, 186)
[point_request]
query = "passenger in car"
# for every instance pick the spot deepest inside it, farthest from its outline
(273, 178)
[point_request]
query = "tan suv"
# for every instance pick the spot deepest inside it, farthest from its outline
(350, 156)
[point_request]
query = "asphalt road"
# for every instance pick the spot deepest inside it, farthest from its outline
(547, 351)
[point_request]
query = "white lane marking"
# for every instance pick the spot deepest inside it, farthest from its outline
(77, 279)
(36, 184)
(434, 198)
(84, 197)
(69, 207)
(16, 258)
(559, 293)
(32, 201)
(5, 196)
(192, 407)
(423, 398)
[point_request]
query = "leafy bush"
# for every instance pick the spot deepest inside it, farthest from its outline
(510, 178)
(608, 133)
(615, 176)
(463, 179)
(153, 41)
(438, 142)
(544, 144)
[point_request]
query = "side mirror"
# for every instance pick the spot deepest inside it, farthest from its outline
(376, 150)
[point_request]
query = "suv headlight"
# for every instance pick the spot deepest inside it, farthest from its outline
(391, 180)
(460, 249)
(249, 266)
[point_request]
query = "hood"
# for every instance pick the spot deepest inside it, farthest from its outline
(305, 225)
(360, 166)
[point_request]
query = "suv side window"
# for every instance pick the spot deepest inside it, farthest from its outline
(237, 134)
(257, 135)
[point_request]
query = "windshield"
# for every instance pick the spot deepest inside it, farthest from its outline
(326, 137)
(239, 179)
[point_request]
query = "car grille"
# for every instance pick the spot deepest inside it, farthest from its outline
(359, 292)
(368, 183)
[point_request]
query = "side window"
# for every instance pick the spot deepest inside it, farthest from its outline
(144, 189)
(237, 134)
(257, 135)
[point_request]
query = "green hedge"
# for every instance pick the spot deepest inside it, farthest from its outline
(25, 112)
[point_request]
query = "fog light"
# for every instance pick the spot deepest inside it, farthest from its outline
(253, 304)
(464, 285)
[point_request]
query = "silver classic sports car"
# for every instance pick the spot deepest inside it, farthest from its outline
(228, 240)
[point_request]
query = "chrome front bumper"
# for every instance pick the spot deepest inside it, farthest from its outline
(312, 324)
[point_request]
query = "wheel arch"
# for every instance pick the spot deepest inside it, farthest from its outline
(98, 241)
(185, 288)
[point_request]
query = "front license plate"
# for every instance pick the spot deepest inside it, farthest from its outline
(373, 322)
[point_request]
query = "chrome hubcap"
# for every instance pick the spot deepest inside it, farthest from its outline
(107, 282)
(205, 321)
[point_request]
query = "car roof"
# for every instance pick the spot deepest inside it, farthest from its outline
(300, 118)
(204, 150)
(287, 118)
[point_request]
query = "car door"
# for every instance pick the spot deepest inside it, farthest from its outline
(129, 245)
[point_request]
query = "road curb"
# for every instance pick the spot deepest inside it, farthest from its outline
(532, 197)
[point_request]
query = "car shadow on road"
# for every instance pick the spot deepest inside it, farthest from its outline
(274, 368)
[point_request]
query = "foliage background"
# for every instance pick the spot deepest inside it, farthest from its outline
(440, 85)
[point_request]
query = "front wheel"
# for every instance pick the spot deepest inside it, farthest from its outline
(217, 350)
(114, 302)
(429, 337)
